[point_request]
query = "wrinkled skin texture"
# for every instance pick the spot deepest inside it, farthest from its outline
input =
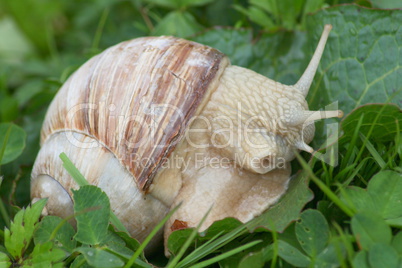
(234, 158)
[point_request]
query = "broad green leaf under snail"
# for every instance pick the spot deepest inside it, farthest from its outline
(158, 121)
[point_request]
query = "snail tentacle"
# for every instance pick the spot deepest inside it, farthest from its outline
(306, 79)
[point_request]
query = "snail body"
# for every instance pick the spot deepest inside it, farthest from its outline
(158, 121)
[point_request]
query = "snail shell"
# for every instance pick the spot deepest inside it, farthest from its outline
(135, 118)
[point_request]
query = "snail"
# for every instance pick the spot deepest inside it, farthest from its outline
(158, 121)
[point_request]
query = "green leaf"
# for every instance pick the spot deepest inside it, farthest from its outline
(236, 44)
(18, 237)
(4, 260)
(267, 5)
(383, 255)
(16, 45)
(81, 181)
(257, 15)
(179, 4)
(12, 142)
(8, 109)
(80, 262)
(28, 90)
(359, 199)
(177, 23)
(45, 255)
(257, 258)
(361, 260)
(312, 5)
(131, 243)
(63, 237)
(193, 3)
(118, 249)
(387, 3)
(385, 127)
(332, 255)
(100, 258)
(361, 62)
(285, 13)
(292, 255)
(177, 239)
(312, 232)
(288, 208)
(92, 207)
(397, 242)
(351, 47)
(165, 3)
(383, 196)
(221, 227)
(369, 229)
(386, 189)
(35, 19)
(289, 11)
(278, 56)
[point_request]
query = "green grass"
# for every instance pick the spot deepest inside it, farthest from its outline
(355, 209)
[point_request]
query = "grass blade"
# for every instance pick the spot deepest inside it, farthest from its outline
(353, 174)
(149, 237)
(185, 246)
(73, 171)
(346, 161)
(372, 126)
(373, 151)
(99, 30)
(198, 253)
(333, 197)
(81, 181)
(225, 255)
(3, 209)
(212, 246)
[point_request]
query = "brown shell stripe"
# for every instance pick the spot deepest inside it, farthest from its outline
(136, 99)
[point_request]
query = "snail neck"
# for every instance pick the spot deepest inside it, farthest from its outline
(243, 118)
